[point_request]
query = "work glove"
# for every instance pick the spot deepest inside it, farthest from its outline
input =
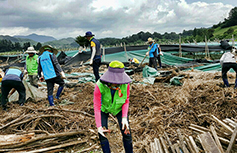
(161, 53)
(91, 62)
(63, 75)
(147, 53)
(101, 131)
(25, 72)
(125, 125)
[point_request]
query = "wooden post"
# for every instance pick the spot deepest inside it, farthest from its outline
(207, 55)
(180, 49)
(125, 51)
(104, 53)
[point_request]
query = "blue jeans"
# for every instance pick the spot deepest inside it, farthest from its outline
(127, 138)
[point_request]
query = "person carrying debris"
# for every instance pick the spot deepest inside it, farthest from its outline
(111, 96)
(152, 53)
(31, 66)
(13, 80)
(95, 60)
(228, 61)
(52, 72)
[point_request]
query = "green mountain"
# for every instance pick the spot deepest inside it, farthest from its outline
(63, 43)
(20, 40)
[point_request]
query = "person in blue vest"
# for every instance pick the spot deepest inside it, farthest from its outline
(13, 80)
(52, 72)
(95, 59)
(111, 96)
(152, 53)
(31, 66)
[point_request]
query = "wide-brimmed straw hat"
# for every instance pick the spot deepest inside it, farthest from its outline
(31, 50)
(149, 40)
(48, 47)
(116, 74)
(88, 34)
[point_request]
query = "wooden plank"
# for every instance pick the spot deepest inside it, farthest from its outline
(158, 146)
(176, 147)
(193, 144)
(198, 130)
(223, 124)
(153, 149)
(232, 140)
(182, 145)
(169, 142)
(208, 143)
(189, 145)
(55, 147)
(200, 127)
(164, 144)
(213, 131)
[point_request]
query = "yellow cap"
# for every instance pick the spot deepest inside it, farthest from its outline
(116, 64)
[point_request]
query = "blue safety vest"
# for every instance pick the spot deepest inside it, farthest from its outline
(13, 74)
(47, 65)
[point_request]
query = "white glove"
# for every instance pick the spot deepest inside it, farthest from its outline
(63, 75)
(25, 72)
(91, 62)
(147, 53)
(161, 53)
(125, 125)
(101, 131)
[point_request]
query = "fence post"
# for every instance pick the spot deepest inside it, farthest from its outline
(125, 51)
(180, 49)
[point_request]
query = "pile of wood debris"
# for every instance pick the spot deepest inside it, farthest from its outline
(163, 118)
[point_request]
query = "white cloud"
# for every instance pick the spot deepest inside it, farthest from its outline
(70, 18)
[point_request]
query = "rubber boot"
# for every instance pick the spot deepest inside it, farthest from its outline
(50, 98)
(128, 146)
(235, 84)
(226, 83)
(60, 89)
(105, 146)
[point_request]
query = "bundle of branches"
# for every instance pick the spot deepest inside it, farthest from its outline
(38, 130)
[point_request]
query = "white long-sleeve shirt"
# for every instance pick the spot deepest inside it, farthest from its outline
(227, 58)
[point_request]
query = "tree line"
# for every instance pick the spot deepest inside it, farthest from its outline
(7, 45)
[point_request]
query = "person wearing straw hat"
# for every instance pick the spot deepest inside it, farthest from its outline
(95, 59)
(111, 96)
(52, 71)
(31, 66)
(13, 80)
(228, 61)
(152, 52)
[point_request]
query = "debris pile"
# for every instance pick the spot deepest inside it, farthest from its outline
(172, 115)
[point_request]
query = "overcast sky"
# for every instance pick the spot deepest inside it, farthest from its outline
(108, 18)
